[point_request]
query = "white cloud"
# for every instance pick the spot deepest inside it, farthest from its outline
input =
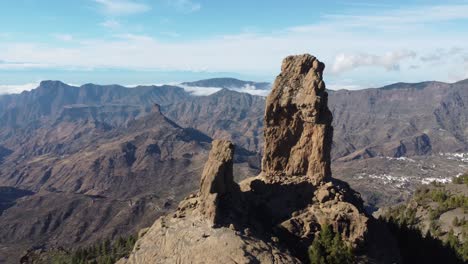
(442, 54)
(261, 53)
(64, 37)
(194, 90)
(400, 18)
(11, 89)
(13, 65)
(170, 34)
(111, 24)
(185, 5)
(203, 91)
(200, 91)
(18, 88)
(122, 7)
(431, 57)
(390, 60)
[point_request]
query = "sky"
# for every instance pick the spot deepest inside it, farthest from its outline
(364, 43)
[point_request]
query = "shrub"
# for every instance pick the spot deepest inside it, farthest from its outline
(463, 179)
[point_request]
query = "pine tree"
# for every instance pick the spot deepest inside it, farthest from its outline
(329, 248)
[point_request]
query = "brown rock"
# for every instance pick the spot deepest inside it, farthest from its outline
(298, 132)
(323, 195)
(344, 217)
(288, 202)
(217, 178)
(193, 241)
(142, 232)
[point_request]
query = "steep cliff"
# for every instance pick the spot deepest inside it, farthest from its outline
(298, 132)
(274, 217)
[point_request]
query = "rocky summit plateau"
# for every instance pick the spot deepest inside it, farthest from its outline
(275, 216)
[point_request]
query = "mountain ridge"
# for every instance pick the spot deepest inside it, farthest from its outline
(228, 83)
(41, 128)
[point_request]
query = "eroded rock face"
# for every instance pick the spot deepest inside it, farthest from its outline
(217, 179)
(274, 217)
(298, 131)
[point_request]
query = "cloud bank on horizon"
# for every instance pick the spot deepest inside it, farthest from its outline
(194, 90)
(156, 41)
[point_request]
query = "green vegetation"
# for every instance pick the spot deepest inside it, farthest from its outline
(103, 252)
(436, 200)
(402, 215)
(463, 179)
(445, 201)
(461, 248)
(415, 247)
(329, 248)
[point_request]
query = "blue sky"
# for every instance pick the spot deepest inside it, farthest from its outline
(363, 43)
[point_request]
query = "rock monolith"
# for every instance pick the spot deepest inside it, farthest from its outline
(298, 131)
(217, 179)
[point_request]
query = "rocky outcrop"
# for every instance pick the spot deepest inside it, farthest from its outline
(274, 217)
(208, 221)
(217, 179)
(298, 132)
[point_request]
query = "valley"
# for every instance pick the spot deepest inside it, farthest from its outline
(92, 162)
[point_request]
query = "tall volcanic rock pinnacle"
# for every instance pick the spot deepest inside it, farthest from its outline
(274, 217)
(217, 178)
(298, 131)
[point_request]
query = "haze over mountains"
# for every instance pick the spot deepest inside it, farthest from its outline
(88, 162)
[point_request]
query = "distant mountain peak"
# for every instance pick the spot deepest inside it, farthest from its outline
(403, 85)
(462, 82)
(228, 83)
(52, 84)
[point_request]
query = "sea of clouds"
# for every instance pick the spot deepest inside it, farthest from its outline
(194, 90)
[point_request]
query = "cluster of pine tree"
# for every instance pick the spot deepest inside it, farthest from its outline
(103, 252)
(437, 200)
(418, 248)
(329, 248)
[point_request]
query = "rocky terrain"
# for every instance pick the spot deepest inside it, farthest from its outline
(400, 120)
(274, 217)
(225, 114)
(386, 142)
(66, 149)
(82, 178)
(385, 181)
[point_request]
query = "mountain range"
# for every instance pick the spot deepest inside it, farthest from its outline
(78, 164)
